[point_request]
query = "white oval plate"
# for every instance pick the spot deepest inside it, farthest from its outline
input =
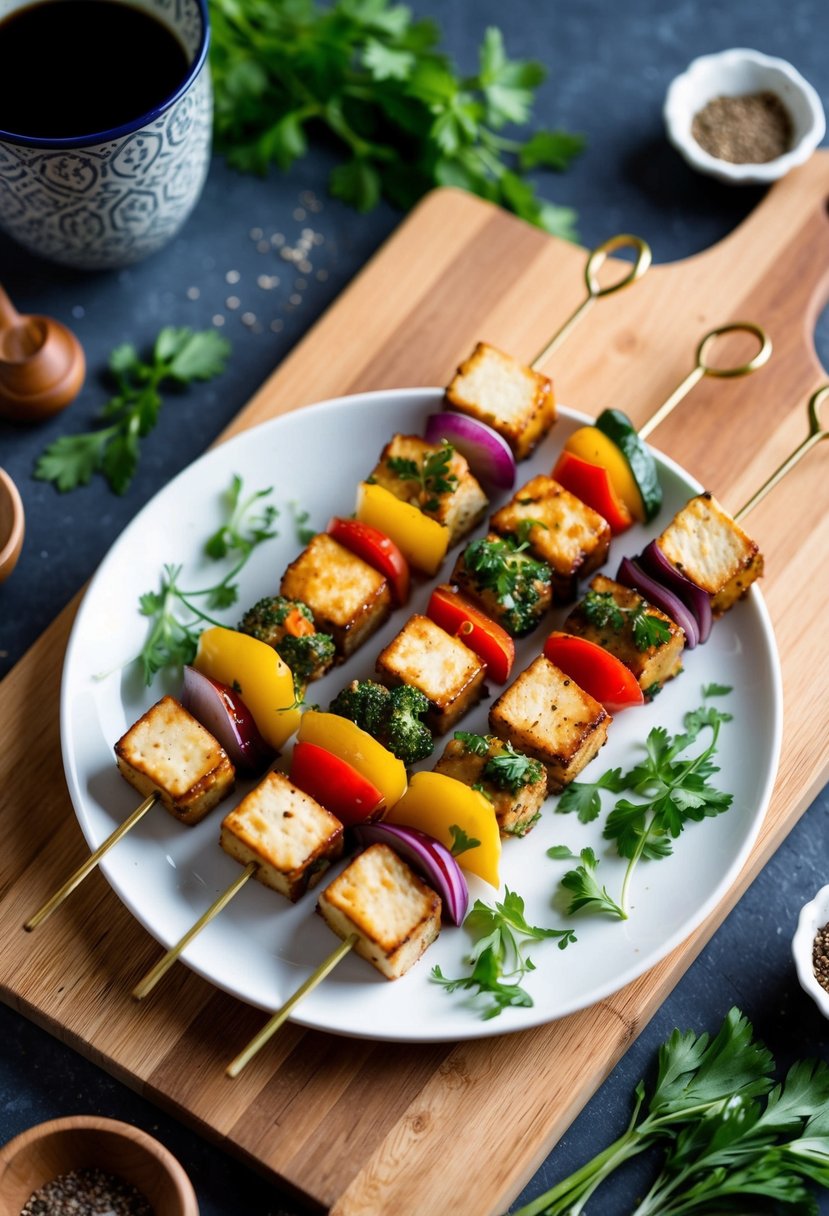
(260, 948)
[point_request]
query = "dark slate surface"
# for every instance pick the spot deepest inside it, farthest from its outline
(609, 66)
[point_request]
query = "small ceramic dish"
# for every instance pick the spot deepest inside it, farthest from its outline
(49, 1150)
(736, 73)
(12, 525)
(813, 916)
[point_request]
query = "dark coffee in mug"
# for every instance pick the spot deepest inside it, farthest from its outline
(71, 68)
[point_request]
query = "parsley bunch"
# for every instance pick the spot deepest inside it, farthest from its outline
(370, 78)
(674, 789)
(497, 958)
(176, 617)
(727, 1129)
(179, 356)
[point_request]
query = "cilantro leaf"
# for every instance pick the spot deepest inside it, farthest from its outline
(461, 843)
(583, 884)
(583, 796)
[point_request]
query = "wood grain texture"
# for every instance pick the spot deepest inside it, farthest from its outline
(354, 1127)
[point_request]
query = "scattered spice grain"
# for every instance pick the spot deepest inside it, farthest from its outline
(752, 128)
(87, 1192)
(820, 957)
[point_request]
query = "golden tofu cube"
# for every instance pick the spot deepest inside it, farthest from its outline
(169, 753)
(651, 666)
(348, 597)
(516, 810)
(520, 600)
(546, 715)
(440, 665)
(404, 464)
(713, 551)
(286, 833)
(394, 914)
(570, 537)
(514, 400)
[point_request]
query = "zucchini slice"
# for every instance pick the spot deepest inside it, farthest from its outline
(619, 428)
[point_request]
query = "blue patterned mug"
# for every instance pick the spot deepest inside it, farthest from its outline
(106, 198)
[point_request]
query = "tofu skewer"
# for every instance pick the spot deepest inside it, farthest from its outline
(169, 757)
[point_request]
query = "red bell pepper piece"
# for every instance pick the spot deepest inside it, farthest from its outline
(596, 671)
(459, 617)
(374, 547)
(335, 784)
(591, 483)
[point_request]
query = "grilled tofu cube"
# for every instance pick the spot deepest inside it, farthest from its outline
(651, 666)
(407, 459)
(393, 912)
(290, 837)
(513, 588)
(546, 715)
(348, 597)
(516, 809)
(169, 753)
(571, 538)
(713, 551)
(514, 400)
(440, 665)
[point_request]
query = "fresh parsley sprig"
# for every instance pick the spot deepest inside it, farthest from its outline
(497, 958)
(674, 789)
(584, 885)
(370, 79)
(179, 356)
(176, 615)
(728, 1131)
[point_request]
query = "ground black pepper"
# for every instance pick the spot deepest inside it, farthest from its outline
(820, 957)
(87, 1192)
(750, 129)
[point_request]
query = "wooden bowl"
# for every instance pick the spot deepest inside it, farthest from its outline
(50, 1149)
(11, 525)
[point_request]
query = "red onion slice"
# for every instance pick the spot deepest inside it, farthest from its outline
(654, 562)
(634, 576)
(223, 712)
(490, 456)
(429, 857)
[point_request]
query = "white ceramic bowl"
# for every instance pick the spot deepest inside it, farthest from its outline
(813, 916)
(731, 74)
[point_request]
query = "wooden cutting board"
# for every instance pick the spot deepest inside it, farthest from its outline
(356, 1127)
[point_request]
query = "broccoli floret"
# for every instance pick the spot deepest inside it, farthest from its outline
(391, 716)
(513, 576)
(288, 626)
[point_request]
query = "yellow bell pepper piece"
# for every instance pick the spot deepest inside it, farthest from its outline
(358, 748)
(256, 672)
(421, 540)
(435, 803)
(591, 444)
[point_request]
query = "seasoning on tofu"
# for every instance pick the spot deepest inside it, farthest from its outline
(288, 626)
(442, 666)
(169, 753)
(654, 656)
(515, 784)
(348, 598)
(392, 716)
(393, 913)
(546, 715)
(502, 576)
(560, 530)
(286, 833)
(514, 400)
(436, 479)
(712, 550)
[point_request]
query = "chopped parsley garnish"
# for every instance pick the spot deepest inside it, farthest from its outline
(507, 769)
(461, 843)
(601, 609)
(432, 474)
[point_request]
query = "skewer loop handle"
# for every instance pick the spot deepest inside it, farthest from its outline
(816, 433)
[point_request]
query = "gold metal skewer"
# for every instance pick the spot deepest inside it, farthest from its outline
(146, 985)
(597, 258)
(703, 368)
(816, 433)
(88, 866)
(269, 1029)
